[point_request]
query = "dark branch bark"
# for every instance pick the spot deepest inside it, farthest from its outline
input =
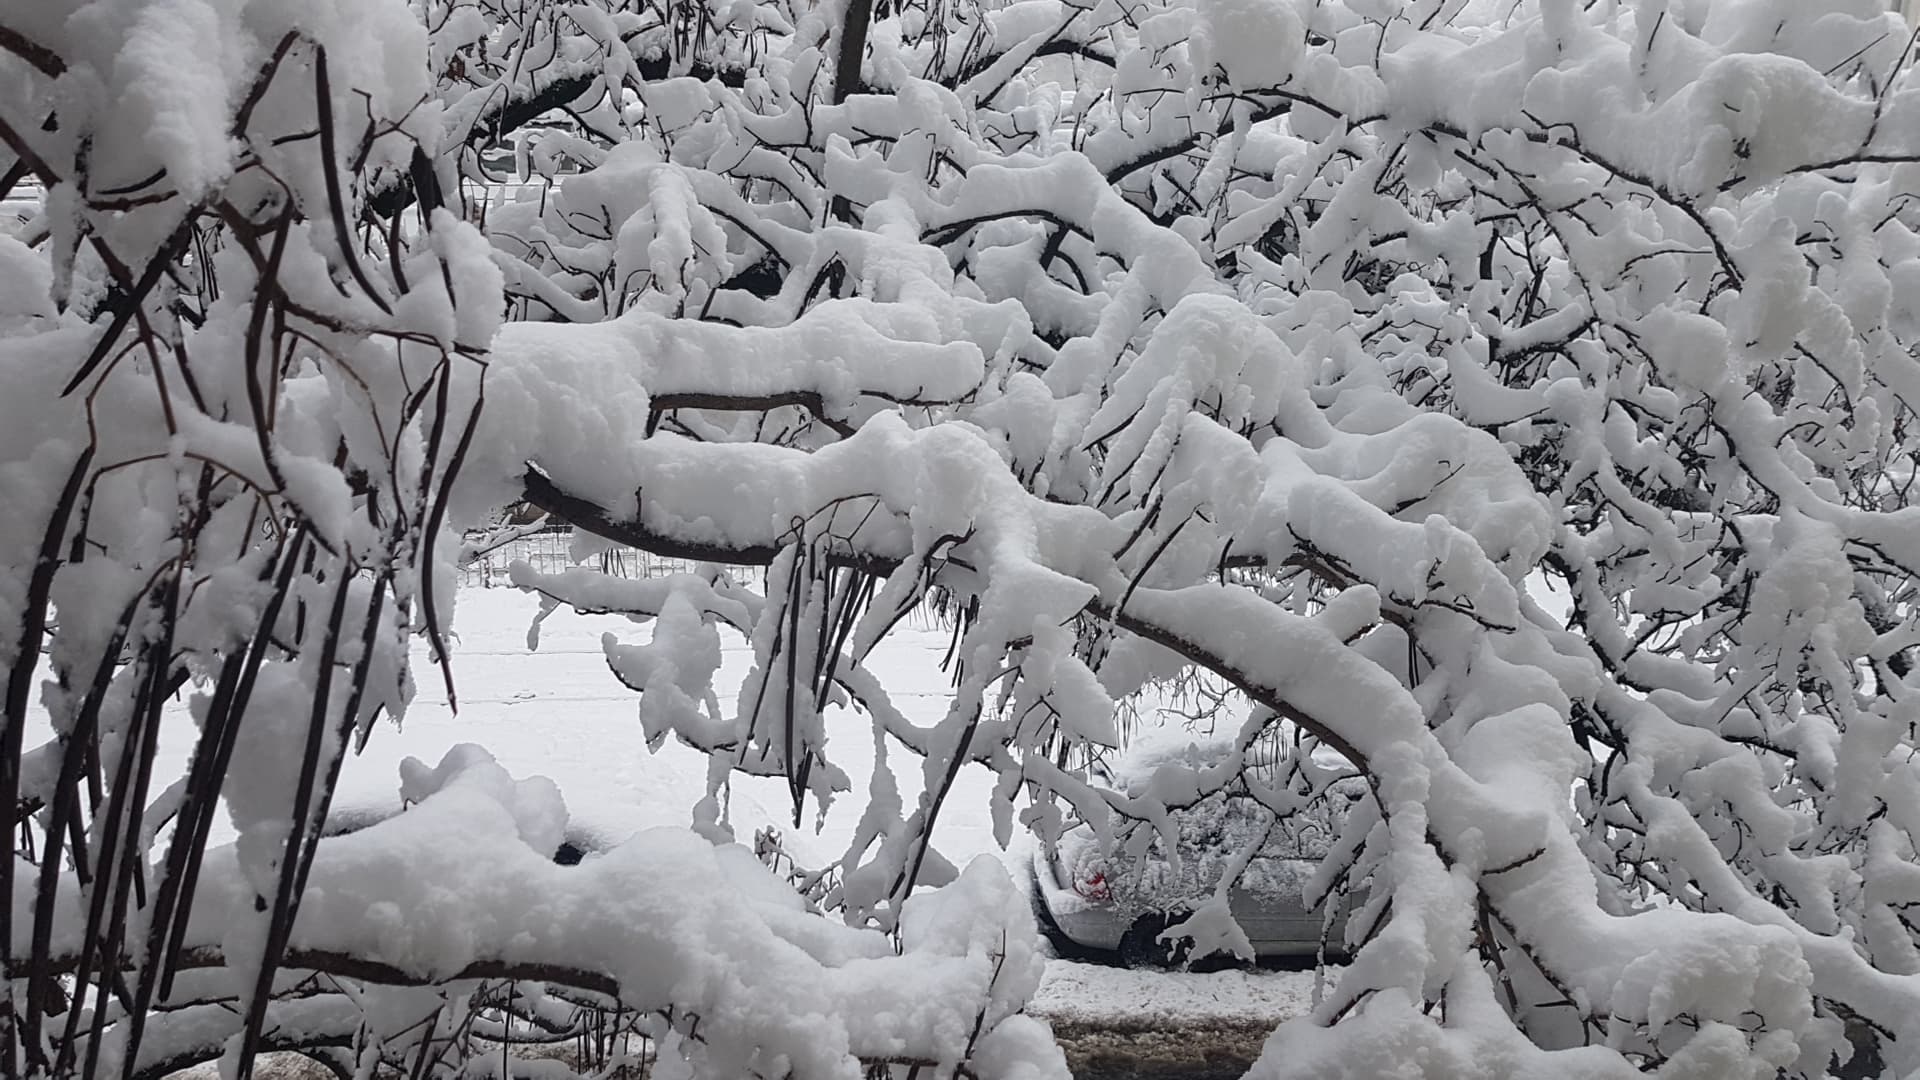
(542, 492)
(852, 49)
(32, 52)
(1056, 47)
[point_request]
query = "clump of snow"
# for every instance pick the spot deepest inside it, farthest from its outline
(1257, 43)
(463, 877)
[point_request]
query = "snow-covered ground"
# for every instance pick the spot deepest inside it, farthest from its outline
(558, 712)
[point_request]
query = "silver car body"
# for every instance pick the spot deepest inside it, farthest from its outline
(1094, 896)
(1278, 923)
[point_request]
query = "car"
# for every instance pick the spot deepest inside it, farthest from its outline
(1115, 905)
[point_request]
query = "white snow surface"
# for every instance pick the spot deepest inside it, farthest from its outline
(1152, 998)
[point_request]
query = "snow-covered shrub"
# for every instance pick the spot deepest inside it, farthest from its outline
(1304, 343)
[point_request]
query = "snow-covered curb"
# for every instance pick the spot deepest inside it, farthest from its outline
(1146, 999)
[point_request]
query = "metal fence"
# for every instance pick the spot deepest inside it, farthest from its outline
(548, 551)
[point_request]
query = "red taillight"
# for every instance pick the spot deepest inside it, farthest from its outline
(1093, 887)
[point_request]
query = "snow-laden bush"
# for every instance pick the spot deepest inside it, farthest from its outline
(1300, 343)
